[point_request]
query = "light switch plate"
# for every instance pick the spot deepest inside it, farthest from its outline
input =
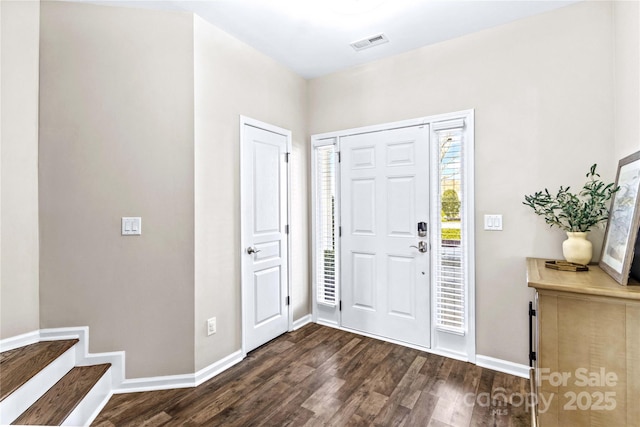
(493, 222)
(131, 225)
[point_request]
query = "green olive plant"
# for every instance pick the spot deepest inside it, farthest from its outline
(571, 212)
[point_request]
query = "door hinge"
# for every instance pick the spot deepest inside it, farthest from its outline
(532, 356)
(288, 300)
(340, 306)
(340, 231)
(286, 229)
(339, 157)
(286, 157)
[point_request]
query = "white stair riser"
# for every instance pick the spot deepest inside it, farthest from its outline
(92, 404)
(21, 399)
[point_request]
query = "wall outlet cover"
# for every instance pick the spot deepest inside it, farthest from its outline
(211, 326)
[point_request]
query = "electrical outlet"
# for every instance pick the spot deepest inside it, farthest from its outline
(211, 326)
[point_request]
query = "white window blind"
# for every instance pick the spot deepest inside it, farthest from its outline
(325, 227)
(450, 262)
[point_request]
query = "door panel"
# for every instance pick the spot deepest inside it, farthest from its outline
(384, 194)
(401, 271)
(268, 295)
(364, 273)
(401, 219)
(363, 202)
(264, 184)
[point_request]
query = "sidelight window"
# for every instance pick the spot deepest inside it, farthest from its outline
(450, 239)
(325, 252)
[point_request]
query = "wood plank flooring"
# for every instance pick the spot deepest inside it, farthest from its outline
(319, 376)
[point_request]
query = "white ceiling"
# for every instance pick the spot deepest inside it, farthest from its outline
(312, 37)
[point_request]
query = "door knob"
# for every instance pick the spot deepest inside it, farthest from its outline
(422, 246)
(252, 250)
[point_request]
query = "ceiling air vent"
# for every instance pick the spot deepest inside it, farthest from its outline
(369, 42)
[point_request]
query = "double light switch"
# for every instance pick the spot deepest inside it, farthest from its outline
(131, 226)
(493, 222)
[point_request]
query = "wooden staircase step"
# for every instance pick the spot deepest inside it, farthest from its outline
(21, 364)
(57, 403)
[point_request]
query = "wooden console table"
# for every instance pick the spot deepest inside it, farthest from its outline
(588, 348)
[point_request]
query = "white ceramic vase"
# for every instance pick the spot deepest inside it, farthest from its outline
(577, 248)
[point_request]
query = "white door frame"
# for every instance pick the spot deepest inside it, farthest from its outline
(331, 316)
(247, 121)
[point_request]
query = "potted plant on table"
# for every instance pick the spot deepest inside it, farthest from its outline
(575, 213)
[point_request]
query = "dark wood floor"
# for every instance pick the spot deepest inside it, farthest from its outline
(320, 376)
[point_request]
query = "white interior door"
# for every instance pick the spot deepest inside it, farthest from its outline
(384, 195)
(264, 193)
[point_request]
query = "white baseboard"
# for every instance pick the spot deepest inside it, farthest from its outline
(218, 367)
(328, 323)
(179, 381)
(304, 320)
(450, 354)
(19, 341)
(119, 384)
(503, 366)
(499, 365)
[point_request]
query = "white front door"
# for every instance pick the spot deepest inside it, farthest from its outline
(264, 194)
(385, 194)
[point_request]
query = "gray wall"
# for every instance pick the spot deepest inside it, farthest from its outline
(19, 37)
(233, 79)
(626, 78)
(116, 139)
(140, 117)
(542, 90)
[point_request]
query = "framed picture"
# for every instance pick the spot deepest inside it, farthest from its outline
(624, 220)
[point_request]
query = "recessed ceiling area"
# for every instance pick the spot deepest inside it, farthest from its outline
(313, 37)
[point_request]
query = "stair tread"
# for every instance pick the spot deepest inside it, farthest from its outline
(61, 399)
(19, 365)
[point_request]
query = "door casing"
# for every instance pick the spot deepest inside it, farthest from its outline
(441, 343)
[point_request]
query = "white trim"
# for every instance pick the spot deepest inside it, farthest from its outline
(470, 222)
(316, 143)
(321, 142)
(448, 124)
(304, 320)
(443, 353)
(156, 383)
(83, 357)
(325, 322)
(247, 121)
(457, 118)
(88, 409)
(503, 366)
(180, 381)
(372, 128)
(464, 119)
(216, 368)
(427, 120)
(18, 341)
